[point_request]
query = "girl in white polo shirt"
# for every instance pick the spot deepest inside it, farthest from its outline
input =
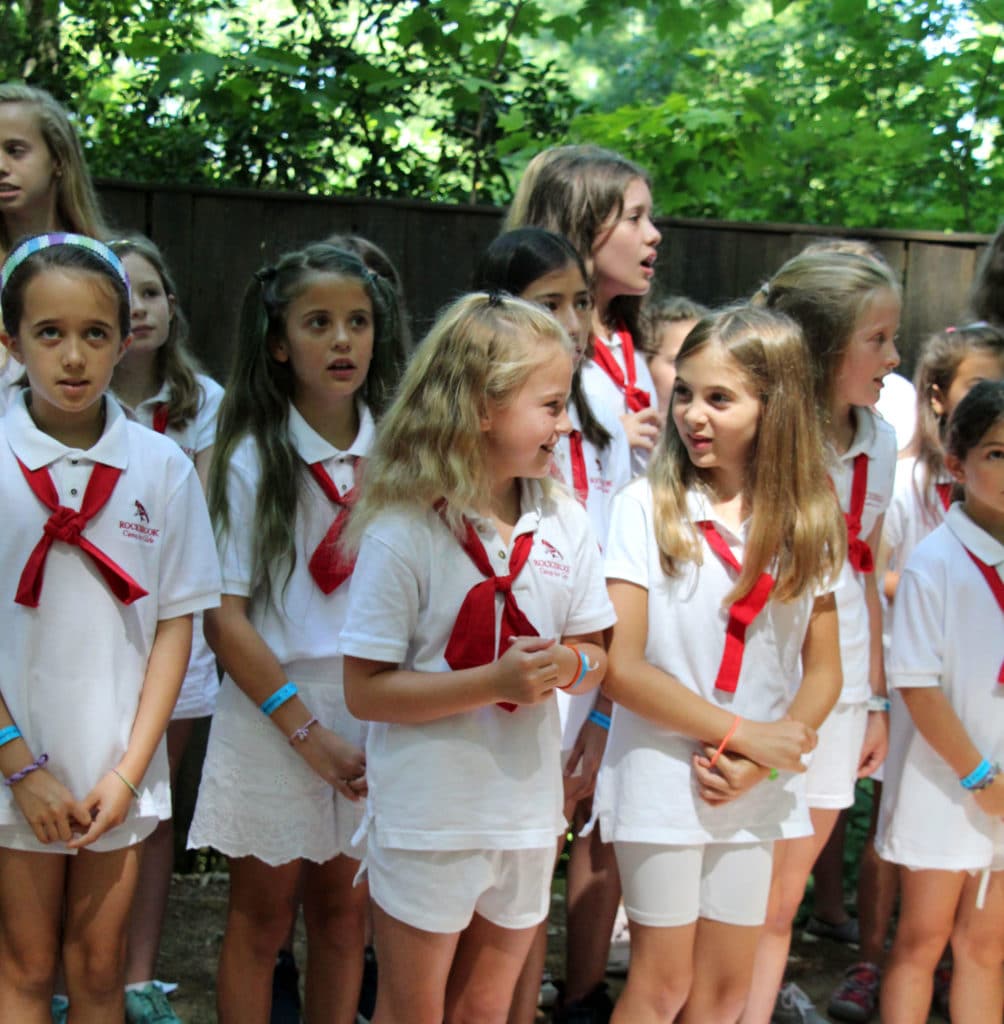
(735, 524)
(109, 553)
(594, 460)
(318, 357)
(946, 661)
(848, 306)
(478, 591)
(159, 383)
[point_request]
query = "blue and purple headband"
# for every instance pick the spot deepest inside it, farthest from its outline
(39, 242)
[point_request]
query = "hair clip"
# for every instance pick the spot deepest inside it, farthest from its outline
(495, 298)
(266, 274)
(951, 330)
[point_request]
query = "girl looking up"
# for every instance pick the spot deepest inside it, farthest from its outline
(477, 593)
(98, 628)
(159, 382)
(848, 307)
(943, 799)
(723, 664)
(602, 203)
(317, 359)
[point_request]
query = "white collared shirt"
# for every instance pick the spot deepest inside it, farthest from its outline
(299, 622)
(947, 631)
(73, 667)
(645, 791)
(486, 778)
(877, 439)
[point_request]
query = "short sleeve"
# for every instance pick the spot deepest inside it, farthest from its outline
(591, 609)
(190, 572)
(236, 543)
(916, 653)
(384, 602)
(628, 541)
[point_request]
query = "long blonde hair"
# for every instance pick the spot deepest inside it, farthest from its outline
(430, 443)
(797, 532)
(77, 207)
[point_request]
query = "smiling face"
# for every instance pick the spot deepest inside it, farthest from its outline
(152, 308)
(521, 433)
(565, 294)
(717, 415)
(68, 342)
(328, 341)
(870, 353)
(27, 168)
(625, 249)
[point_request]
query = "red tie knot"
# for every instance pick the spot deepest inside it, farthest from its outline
(504, 583)
(66, 525)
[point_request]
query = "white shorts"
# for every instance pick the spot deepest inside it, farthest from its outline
(833, 770)
(442, 890)
(670, 886)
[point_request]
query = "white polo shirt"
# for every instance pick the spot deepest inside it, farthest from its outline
(10, 375)
(73, 668)
(878, 440)
(646, 792)
(607, 469)
(300, 622)
(487, 778)
(947, 631)
(907, 520)
(603, 393)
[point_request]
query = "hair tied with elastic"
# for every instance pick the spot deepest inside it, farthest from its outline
(495, 298)
(951, 330)
(266, 275)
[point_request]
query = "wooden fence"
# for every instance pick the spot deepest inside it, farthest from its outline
(215, 239)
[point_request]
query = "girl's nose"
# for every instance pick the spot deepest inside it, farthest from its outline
(564, 424)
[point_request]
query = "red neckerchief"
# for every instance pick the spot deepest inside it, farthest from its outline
(160, 414)
(634, 396)
(997, 586)
(741, 612)
(858, 552)
(945, 494)
(580, 476)
(327, 565)
(66, 525)
(472, 641)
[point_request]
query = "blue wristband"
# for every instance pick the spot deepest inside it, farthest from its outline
(9, 734)
(977, 775)
(600, 719)
(283, 694)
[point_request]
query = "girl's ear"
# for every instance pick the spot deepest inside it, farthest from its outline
(486, 417)
(171, 302)
(937, 400)
(277, 349)
(956, 467)
(10, 343)
(123, 348)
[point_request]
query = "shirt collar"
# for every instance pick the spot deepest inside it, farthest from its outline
(311, 447)
(163, 395)
(35, 448)
(974, 538)
(865, 432)
(531, 504)
(699, 509)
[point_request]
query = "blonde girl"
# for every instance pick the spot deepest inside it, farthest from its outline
(44, 182)
(848, 306)
(595, 462)
(460, 524)
(109, 553)
(317, 360)
(602, 203)
(735, 523)
(159, 382)
(943, 799)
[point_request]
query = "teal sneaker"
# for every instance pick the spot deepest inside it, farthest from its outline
(60, 1008)
(148, 1005)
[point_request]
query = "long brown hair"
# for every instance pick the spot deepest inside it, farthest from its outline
(797, 532)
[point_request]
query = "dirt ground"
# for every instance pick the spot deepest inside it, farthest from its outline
(197, 912)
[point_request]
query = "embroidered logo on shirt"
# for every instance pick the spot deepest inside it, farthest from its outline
(599, 482)
(554, 564)
(140, 530)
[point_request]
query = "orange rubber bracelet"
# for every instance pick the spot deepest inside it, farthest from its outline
(725, 741)
(582, 670)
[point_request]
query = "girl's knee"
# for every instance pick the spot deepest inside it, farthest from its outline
(979, 942)
(30, 969)
(663, 996)
(97, 968)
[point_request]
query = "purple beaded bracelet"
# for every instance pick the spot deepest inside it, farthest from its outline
(300, 735)
(27, 770)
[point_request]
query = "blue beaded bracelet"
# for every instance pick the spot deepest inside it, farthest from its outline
(600, 719)
(977, 775)
(8, 734)
(283, 694)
